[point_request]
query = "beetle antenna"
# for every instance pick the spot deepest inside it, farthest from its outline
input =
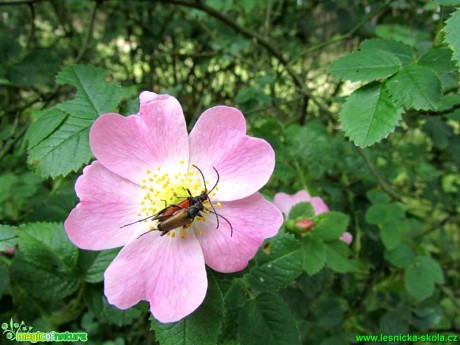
(204, 181)
(202, 176)
(218, 177)
(138, 221)
(221, 216)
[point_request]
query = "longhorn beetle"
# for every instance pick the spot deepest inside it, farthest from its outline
(184, 213)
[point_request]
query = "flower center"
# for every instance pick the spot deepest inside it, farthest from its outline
(166, 189)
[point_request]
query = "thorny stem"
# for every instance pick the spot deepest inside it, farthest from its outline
(386, 188)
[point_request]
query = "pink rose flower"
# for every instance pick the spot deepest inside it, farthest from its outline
(144, 161)
(286, 202)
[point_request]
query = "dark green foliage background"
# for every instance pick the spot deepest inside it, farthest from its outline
(359, 99)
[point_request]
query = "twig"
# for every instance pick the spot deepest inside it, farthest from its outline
(89, 33)
(30, 39)
(386, 188)
(245, 32)
(450, 295)
(345, 35)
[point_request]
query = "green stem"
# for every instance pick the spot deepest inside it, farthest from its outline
(303, 180)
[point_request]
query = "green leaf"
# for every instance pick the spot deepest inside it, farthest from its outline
(234, 299)
(420, 277)
(367, 65)
(384, 213)
(405, 53)
(407, 35)
(279, 267)
(455, 115)
(438, 59)
(47, 122)
(38, 67)
(9, 48)
(45, 264)
(201, 327)
(415, 87)
(314, 255)
(94, 264)
(393, 323)
(95, 96)
(369, 115)
(449, 101)
(65, 150)
(267, 320)
(106, 313)
(303, 210)
(330, 225)
(401, 256)
(452, 37)
(58, 143)
(337, 259)
(8, 237)
(390, 232)
(378, 197)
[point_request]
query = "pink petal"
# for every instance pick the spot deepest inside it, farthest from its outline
(300, 196)
(244, 163)
(253, 219)
(319, 205)
(129, 146)
(347, 237)
(168, 272)
(286, 202)
(107, 202)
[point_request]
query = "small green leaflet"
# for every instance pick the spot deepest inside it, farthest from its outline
(421, 276)
(314, 255)
(369, 115)
(278, 268)
(405, 53)
(365, 65)
(416, 87)
(438, 59)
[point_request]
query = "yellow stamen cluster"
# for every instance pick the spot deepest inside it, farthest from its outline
(162, 189)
